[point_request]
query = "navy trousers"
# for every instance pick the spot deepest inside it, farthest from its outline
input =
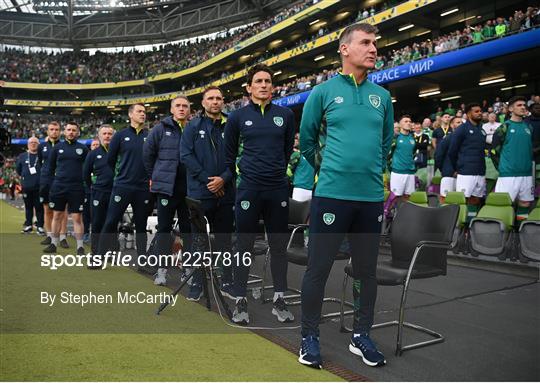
(330, 221)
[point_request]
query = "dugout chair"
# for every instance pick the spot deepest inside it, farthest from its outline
(419, 244)
(419, 198)
(529, 236)
(298, 217)
(458, 198)
(491, 229)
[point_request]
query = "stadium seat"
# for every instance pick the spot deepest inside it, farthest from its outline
(419, 198)
(419, 244)
(458, 198)
(298, 218)
(529, 235)
(491, 229)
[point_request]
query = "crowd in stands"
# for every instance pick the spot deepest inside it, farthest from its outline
(28, 125)
(81, 67)
(428, 48)
(471, 34)
(71, 67)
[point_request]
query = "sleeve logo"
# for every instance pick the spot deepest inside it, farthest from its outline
(374, 100)
(278, 121)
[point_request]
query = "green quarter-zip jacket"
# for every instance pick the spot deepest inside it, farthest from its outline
(512, 149)
(359, 130)
(403, 156)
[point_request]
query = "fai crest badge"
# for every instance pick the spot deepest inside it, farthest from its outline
(278, 121)
(164, 202)
(78, 151)
(96, 202)
(374, 100)
(244, 205)
(329, 218)
(117, 198)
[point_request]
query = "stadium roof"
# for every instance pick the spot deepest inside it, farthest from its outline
(84, 7)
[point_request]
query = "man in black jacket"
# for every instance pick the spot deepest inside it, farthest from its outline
(210, 181)
(422, 143)
(443, 163)
(28, 168)
(67, 187)
(130, 185)
(98, 176)
(161, 154)
(466, 152)
(267, 134)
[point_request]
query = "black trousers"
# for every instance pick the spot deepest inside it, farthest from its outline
(330, 220)
(118, 203)
(99, 203)
(31, 202)
(221, 219)
(167, 208)
(274, 207)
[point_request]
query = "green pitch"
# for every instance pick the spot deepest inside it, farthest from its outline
(103, 342)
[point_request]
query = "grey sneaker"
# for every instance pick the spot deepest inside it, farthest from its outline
(280, 310)
(240, 314)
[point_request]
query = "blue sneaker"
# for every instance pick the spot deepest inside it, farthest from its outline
(363, 346)
(310, 353)
(195, 293)
(227, 290)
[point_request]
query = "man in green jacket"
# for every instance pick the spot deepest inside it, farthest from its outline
(348, 196)
(512, 154)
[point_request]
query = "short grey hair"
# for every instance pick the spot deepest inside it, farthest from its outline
(345, 37)
(105, 126)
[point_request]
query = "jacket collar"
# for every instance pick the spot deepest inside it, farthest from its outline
(259, 107)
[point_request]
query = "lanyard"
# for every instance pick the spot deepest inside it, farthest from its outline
(35, 161)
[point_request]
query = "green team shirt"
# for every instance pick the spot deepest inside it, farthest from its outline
(515, 139)
(488, 31)
(477, 37)
(403, 156)
(359, 130)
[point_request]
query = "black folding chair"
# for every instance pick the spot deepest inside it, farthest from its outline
(419, 241)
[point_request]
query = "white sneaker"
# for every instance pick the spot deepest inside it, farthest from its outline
(161, 277)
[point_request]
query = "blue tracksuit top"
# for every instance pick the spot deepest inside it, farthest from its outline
(24, 162)
(203, 153)
(466, 150)
(125, 158)
(442, 159)
(267, 136)
(66, 164)
(96, 166)
(44, 151)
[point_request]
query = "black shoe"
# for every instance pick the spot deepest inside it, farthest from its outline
(81, 251)
(94, 265)
(46, 241)
(50, 249)
(64, 243)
